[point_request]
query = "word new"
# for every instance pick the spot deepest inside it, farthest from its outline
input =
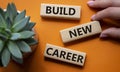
(80, 31)
(60, 11)
(66, 55)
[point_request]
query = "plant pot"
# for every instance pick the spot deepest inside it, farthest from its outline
(33, 49)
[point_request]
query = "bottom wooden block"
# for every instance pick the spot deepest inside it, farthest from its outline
(64, 54)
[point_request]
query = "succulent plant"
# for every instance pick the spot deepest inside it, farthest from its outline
(16, 34)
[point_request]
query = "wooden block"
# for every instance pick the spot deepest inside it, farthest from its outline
(80, 31)
(60, 11)
(65, 55)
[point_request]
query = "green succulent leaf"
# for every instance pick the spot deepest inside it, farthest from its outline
(5, 57)
(14, 10)
(9, 23)
(2, 22)
(31, 41)
(8, 32)
(20, 16)
(4, 33)
(14, 49)
(20, 24)
(24, 47)
(15, 36)
(2, 29)
(30, 26)
(1, 45)
(26, 34)
(3, 37)
(11, 11)
(22, 35)
(2, 12)
(18, 60)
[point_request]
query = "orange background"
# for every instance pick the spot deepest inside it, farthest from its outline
(102, 55)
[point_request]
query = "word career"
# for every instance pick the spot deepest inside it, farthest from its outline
(80, 31)
(64, 54)
(60, 11)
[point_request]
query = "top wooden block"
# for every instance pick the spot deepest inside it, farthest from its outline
(60, 11)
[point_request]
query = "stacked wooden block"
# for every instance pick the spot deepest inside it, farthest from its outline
(69, 34)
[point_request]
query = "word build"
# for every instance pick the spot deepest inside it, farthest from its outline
(64, 54)
(80, 31)
(60, 11)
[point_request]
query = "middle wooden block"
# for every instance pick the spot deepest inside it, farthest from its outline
(80, 31)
